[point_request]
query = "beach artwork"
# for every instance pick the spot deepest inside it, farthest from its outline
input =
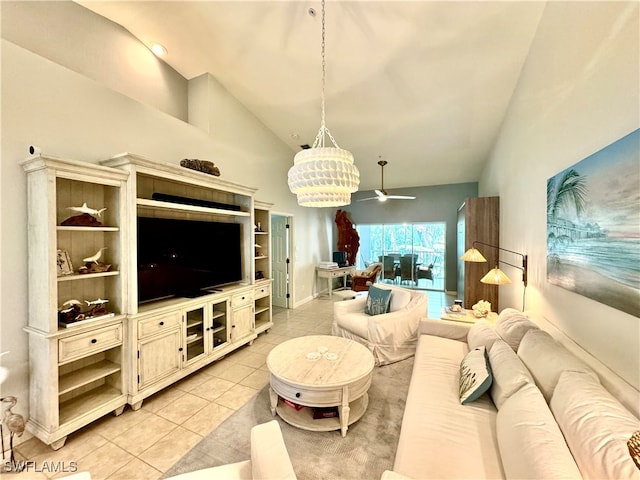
(593, 226)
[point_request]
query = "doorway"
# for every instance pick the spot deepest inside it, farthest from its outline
(281, 267)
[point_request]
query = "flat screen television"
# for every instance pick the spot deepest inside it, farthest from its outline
(182, 258)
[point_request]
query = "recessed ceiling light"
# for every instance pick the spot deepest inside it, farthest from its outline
(158, 49)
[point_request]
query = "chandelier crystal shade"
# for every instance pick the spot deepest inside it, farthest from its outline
(323, 176)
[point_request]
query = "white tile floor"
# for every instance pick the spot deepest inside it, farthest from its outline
(146, 443)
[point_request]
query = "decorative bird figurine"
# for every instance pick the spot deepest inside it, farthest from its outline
(90, 211)
(94, 258)
(99, 301)
(13, 421)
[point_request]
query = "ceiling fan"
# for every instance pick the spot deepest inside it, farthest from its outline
(382, 195)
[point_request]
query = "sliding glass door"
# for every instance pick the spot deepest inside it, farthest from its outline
(412, 254)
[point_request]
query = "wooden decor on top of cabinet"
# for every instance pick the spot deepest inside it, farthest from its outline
(478, 219)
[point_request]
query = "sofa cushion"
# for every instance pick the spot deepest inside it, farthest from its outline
(480, 334)
(508, 371)
(440, 438)
(475, 375)
(595, 425)
(546, 359)
(530, 441)
(377, 301)
(512, 325)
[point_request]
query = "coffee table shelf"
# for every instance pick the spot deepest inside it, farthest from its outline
(303, 418)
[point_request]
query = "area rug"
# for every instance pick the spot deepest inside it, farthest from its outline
(367, 450)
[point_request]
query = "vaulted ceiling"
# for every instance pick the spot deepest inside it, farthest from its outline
(425, 85)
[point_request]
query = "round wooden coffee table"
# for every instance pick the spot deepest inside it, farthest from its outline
(319, 372)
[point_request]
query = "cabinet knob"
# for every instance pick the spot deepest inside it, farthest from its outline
(94, 340)
(298, 395)
(180, 349)
(161, 323)
(233, 326)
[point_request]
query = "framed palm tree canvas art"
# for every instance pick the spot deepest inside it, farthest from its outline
(593, 226)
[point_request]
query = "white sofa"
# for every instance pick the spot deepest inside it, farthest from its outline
(546, 415)
(392, 336)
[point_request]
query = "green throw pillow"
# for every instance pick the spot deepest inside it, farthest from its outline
(475, 375)
(378, 301)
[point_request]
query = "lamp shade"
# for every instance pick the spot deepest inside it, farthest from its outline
(495, 277)
(323, 177)
(473, 255)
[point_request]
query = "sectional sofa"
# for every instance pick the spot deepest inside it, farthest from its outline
(546, 413)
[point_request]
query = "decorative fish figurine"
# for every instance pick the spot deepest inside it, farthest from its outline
(90, 211)
(94, 258)
(99, 301)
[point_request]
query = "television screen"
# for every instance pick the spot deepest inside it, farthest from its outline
(183, 257)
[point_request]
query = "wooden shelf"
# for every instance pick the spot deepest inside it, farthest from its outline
(86, 375)
(260, 257)
(87, 276)
(85, 403)
(194, 323)
(218, 314)
(144, 202)
(218, 329)
(194, 339)
(64, 228)
(259, 310)
(261, 233)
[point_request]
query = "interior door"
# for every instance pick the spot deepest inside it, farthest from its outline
(280, 260)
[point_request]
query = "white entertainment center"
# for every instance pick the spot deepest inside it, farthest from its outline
(98, 365)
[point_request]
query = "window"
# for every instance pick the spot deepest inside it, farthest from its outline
(421, 244)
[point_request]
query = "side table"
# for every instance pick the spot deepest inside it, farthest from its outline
(466, 316)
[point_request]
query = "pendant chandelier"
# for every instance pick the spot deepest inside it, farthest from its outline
(323, 176)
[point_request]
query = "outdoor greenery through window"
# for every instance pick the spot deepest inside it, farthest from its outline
(412, 254)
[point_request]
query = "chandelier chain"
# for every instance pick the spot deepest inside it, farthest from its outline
(324, 70)
(324, 131)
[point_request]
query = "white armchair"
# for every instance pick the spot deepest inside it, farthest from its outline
(269, 460)
(392, 336)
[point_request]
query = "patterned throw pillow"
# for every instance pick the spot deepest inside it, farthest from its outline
(475, 375)
(378, 301)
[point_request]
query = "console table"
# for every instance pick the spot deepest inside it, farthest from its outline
(465, 316)
(331, 273)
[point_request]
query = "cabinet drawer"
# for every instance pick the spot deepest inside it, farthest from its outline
(241, 299)
(78, 346)
(153, 325)
(262, 291)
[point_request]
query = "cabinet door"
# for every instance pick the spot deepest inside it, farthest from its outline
(241, 322)
(218, 328)
(158, 357)
(194, 328)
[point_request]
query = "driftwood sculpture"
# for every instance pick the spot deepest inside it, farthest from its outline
(204, 166)
(348, 238)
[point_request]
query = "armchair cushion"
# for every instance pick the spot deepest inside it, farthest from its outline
(378, 301)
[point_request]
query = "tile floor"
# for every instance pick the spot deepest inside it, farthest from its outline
(146, 443)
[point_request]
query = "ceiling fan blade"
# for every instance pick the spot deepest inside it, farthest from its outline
(365, 199)
(400, 197)
(380, 193)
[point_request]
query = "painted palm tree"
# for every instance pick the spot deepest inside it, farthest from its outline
(569, 191)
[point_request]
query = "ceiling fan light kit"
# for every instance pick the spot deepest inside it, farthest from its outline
(323, 176)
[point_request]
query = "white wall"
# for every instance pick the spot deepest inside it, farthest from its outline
(71, 35)
(578, 93)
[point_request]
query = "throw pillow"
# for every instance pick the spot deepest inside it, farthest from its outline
(475, 375)
(378, 300)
